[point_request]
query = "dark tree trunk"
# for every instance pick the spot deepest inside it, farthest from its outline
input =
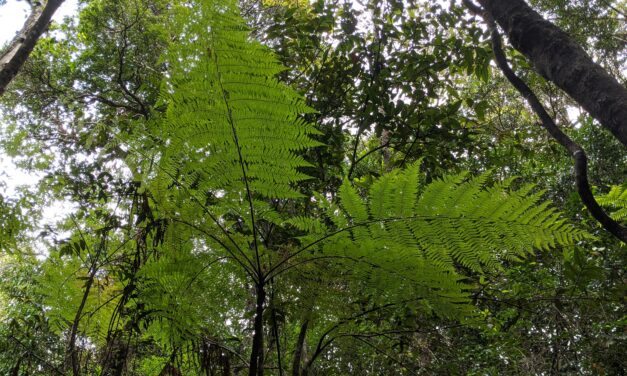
(560, 59)
(169, 369)
(277, 339)
(22, 45)
(72, 353)
(300, 348)
(256, 356)
(15, 371)
(576, 151)
(116, 356)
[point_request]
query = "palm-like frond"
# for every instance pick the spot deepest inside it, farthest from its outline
(231, 125)
(458, 220)
(402, 238)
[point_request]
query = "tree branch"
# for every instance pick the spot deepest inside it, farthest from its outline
(576, 151)
(558, 58)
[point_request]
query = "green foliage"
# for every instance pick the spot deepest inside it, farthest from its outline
(231, 124)
(455, 220)
(404, 232)
(615, 199)
(26, 335)
(320, 168)
(186, 284)
(11, 224)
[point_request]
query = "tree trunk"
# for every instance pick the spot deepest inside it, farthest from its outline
(557, 57)
(15, 371)
(300, 349)
(256, 356)
(72, 354)
(22, 45)
(277, 339)
(547, 122)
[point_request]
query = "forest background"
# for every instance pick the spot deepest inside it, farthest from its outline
(313, 188)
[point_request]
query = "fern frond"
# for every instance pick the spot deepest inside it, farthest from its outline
(239, 126)
(616, 199)
(402, 240)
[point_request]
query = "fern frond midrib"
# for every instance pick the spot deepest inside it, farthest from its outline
(242, 165)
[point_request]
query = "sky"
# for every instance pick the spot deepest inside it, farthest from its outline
(12, 17)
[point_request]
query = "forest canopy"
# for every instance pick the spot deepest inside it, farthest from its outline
(287, 187)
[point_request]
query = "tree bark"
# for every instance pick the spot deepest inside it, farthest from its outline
(256, 355)
(300, 349)
(71, 348)
(557, 57)
(22, 45)
(576, 151)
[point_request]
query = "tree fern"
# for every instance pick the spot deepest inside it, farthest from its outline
(63, 287)
(232, 135)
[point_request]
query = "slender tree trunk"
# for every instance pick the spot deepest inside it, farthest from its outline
(71, 350)
(93, 269)
(256, 356)
(22, 45)
(560, 59)
(15, 371)
(275, 331)
(300, 349)
(170, 369)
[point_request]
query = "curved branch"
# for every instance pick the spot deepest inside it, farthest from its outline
(576, 151)
(143, 110)
(557, 57)
(386, 354)
(322, 344)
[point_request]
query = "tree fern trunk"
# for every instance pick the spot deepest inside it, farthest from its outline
(256, 356)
